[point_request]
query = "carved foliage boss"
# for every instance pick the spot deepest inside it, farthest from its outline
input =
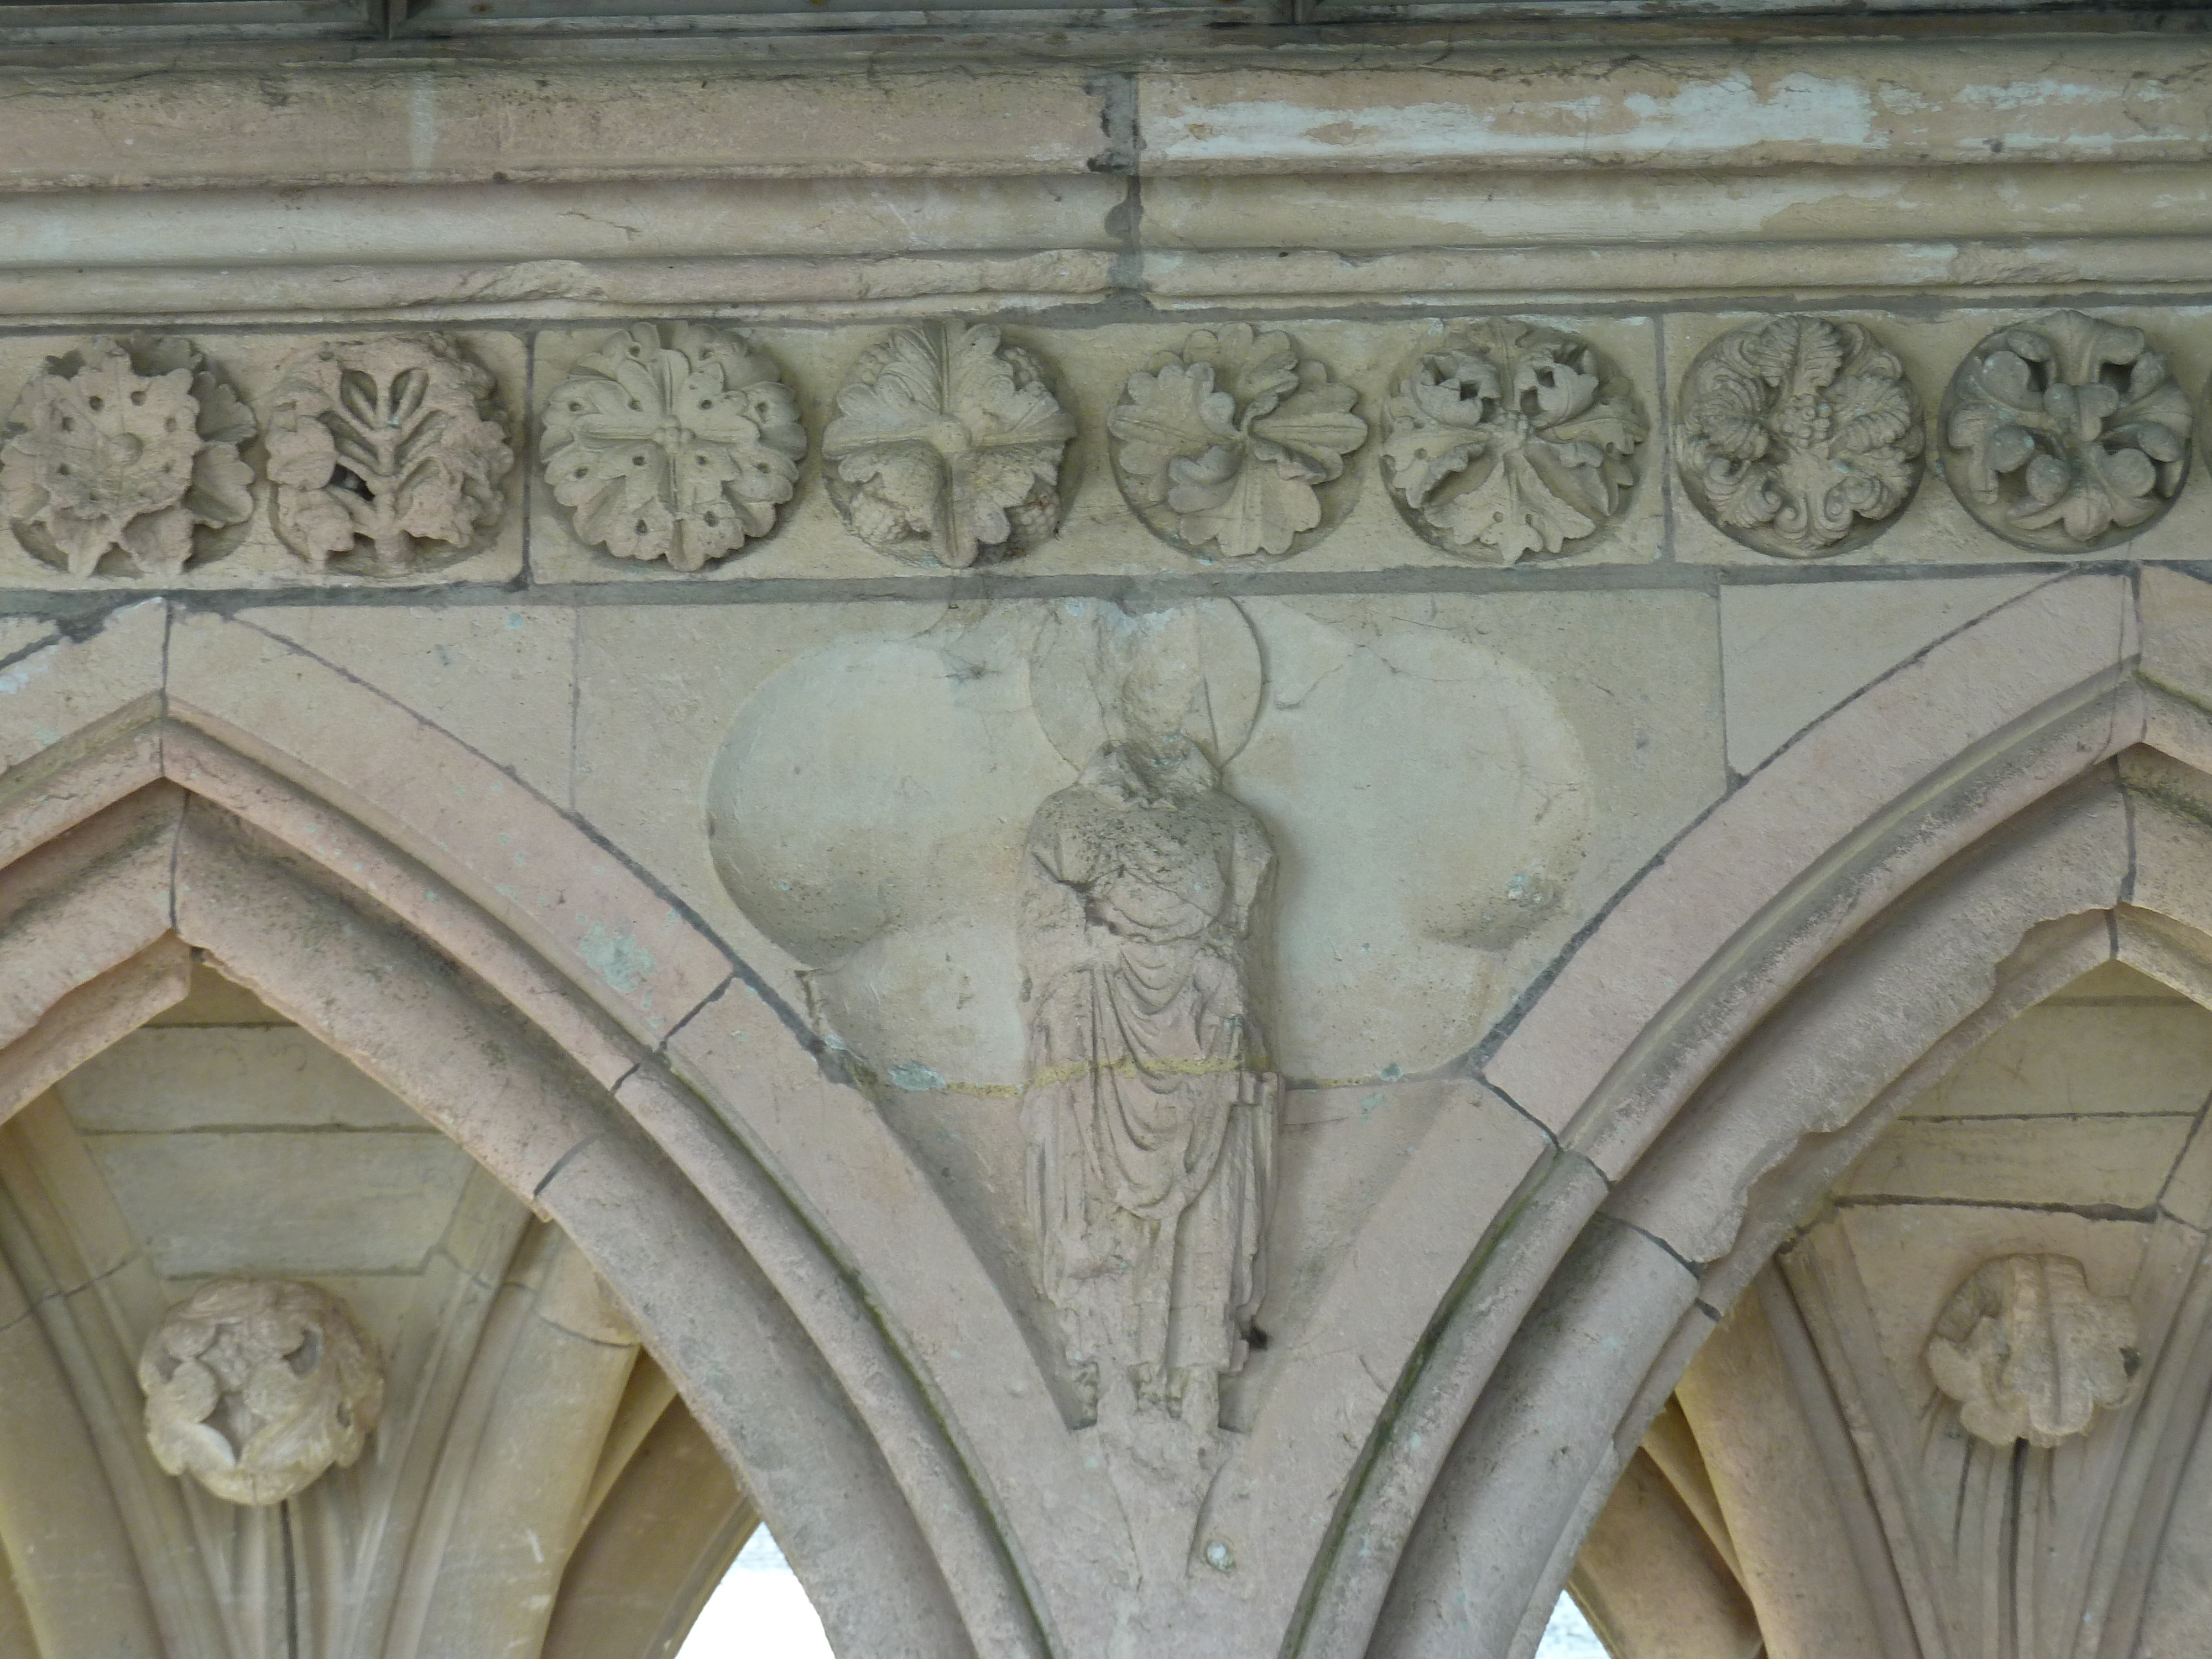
(1512, 440)
(256, 1387)
(947, 447)
(1222, 444)
(678, 448)
(1800, 436)
(391, 442)
(2030, 1354)
(125, 447)
(2066, 434)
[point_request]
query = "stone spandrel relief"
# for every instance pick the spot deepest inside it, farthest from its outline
(1150, 1111)
(1800, 437)
(256, 1387)
(2066, 434)
(947, 448)
(1223, 446)
(675, 444)
(128, 447)
(1510, 440)
(2029, 1352)
(392, 445)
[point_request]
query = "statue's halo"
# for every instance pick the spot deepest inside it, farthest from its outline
(1087, 645)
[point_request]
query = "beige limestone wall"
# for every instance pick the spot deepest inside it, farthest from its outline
(685, 921)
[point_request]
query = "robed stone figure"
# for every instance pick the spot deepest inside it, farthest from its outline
(1149, 1111)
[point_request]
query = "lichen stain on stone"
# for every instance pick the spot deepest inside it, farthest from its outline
(616, 957)
(14, 679)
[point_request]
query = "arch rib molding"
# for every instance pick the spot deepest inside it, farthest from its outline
(146, 832)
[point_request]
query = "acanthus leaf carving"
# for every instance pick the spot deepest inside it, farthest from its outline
(1801, 437)
(2066, 434)
(1510, 440)
(126, 446)
(255, 1387)
(947, 447)
(1222, 444)
(393, 441)
(677, 447)
(2030, 1354)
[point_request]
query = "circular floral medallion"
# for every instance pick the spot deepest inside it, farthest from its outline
(1510, 440)
(1800, 436)
(2066, 434)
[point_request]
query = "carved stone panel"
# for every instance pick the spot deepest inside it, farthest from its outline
(2066, 434)
(1801, 437)
(1221, 447)
(1510, 440)
(256, 1387)
(2030, 1354)
(947, 448)
(126, 446)
(393, 444)
(676, 444)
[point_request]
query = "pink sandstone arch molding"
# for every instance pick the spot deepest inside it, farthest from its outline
(145, 820)
(1761, 1000)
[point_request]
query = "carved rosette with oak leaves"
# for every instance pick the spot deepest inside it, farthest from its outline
(1222, 445)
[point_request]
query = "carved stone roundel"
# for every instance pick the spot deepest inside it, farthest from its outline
(2030, 1354)
(393, 444)
(1509, 439)
(947, 448)
(256, 1387)
(677, 446)
(127, 446)
(1221, 447)
(2066, 434)
(1801, 437)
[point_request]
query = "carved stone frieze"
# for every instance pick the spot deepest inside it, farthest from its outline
(1510, 440)
(1221, 446)
(393, 442)
(947, 447)
(2030, 1354)
(126, 446)
(1801, 437)
(1150, 1112)
(676, 444)
(2066, 434)
(256, 1387)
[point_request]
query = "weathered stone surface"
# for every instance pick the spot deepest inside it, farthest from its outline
(1093, 1047)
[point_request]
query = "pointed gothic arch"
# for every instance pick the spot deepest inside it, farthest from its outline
(2030, 796)
(147, 830)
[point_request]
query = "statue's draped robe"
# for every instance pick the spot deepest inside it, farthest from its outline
(1149, 1113)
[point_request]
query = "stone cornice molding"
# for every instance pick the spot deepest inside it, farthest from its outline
(468, 117)
(472, 187)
